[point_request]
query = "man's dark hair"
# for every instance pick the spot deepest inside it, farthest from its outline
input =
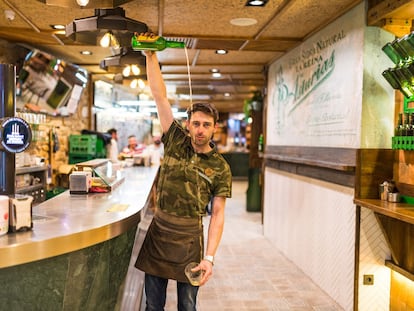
(206, 108)
(110, 131)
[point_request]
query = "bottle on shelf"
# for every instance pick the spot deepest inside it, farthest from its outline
(410, 131)
(393, 54)
(399, 127)
(406, 125)
(153, 43)
(260, 145)
(403, 77)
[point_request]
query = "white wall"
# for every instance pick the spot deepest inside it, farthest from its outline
(312, 223)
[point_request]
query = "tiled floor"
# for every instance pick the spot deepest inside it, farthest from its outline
(250, 274)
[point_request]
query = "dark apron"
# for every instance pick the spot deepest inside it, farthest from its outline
(170, 244)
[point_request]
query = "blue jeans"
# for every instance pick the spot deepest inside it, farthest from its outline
(156, 292)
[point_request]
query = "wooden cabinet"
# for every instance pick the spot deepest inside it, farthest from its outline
(32, 181)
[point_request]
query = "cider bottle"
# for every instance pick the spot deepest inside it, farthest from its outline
(153, 43)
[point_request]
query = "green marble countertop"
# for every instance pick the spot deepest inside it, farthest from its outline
(68, 222)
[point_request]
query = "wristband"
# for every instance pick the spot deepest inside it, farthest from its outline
(209, 259)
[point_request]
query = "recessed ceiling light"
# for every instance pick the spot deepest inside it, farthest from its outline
(256, 2)
(58, 27)
(82, 3)
(86, 52)
(221, 52)
(227, 94)
(214, 70)
(216, 75)
(243, 21)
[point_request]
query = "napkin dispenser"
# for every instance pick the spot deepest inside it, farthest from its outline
(20, 213)
(80, 182)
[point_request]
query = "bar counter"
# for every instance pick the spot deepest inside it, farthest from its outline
(77, 255)
(70, 222)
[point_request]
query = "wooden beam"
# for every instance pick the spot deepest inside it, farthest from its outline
(398, 27)
(385, 9)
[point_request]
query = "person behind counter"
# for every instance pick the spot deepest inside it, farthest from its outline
(155, 150)
(133, 148)
(112, 147)
(191, 173)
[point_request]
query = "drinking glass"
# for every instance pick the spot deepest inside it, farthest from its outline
(193, 276)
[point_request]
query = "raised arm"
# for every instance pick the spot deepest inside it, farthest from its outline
(159, 91)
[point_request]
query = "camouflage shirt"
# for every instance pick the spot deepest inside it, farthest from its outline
(188, 180)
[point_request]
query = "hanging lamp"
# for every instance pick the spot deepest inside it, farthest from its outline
(90, 30)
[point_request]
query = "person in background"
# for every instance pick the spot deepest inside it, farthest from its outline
(133, 147)
(156, 150)
(191, 174)
(112, 148)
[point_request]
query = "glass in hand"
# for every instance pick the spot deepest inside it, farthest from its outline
(193, 276)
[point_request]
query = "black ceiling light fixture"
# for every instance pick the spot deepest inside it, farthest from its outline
(127, 57)
(87, 4)
(90, 30)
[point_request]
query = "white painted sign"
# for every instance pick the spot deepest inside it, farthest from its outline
(315, 91)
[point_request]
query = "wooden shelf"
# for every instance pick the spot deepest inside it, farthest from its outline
(397, 223)
(400, 211)
(390, 264)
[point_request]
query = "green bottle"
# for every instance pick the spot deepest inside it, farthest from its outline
(406, 126)
(393, 54)
(399, 127)
(153, 43)
(261, 143)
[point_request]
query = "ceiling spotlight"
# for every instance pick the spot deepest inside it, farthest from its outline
(256, 2)
(216, 75)
(214, 70)
(86, 52)
(58, 27)
(82, 2)
(221, 52)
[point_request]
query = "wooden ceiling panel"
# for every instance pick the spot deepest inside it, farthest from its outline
(209, 57)
(304, 17)
(203, 25)
(212, 18)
